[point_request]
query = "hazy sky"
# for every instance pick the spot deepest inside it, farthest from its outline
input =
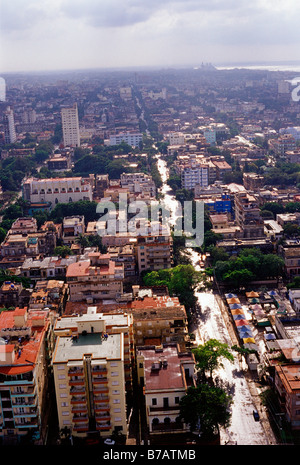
(69, 34)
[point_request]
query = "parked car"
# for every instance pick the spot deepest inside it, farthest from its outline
(109, 441)
(256, 415)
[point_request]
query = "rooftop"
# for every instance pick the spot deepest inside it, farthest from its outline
(70, 348)
(171, 375)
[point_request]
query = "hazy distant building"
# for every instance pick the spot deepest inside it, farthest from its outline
(129, 138)
(2, 89)
(9, 126)
(70, 126)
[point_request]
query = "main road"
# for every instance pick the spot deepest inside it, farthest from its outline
(212, 324)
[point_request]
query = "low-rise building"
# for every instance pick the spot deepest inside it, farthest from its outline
(95, 279)
(159, 319)
(287, 385)
(73, 227)
(57, 190)
(165, 374)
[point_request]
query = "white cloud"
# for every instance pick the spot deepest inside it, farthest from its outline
(40, 34)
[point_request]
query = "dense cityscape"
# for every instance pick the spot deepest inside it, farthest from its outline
(114, 329)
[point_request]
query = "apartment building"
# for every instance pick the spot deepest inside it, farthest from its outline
(253, 181)
(95, 279)
(57, 190)
(176, 138)
(287, 385)
(165, 374)
(70, 126)
(195, 174)
(23, 372)
(159, 319)
(130, 138)
(101, 184)
(73, 227)
(154, 252)
(138, 183)
(248, 215)
(24, 225)
(284, 143)
(89, 375)
(13, 294)
(290, 252)
(46, 268)
(126, 255)
(18, 246)
(51, 294)
(222, 167)
(10, 135)
(59, 162)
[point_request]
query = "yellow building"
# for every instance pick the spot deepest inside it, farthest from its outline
(89, 367)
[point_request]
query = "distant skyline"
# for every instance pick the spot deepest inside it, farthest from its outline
(45, 35)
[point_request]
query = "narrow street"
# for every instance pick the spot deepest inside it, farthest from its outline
(213, 323)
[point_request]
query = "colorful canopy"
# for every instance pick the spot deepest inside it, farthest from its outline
(254, 301)
(234, 306)
(252, 294)
(229, 296)
(241, 322)
(249, 339)
(237, 311)
(233, 300)
(239, 316)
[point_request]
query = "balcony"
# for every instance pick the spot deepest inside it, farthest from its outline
(81, 428)
(75, 372)
(103, 416)
(33, 423)
(79, 408)
(98, 370)
(31, 413)
(98, 389)
(78, 400)
(76, 382)
(100, 380)
(103, 426)
(101, 399)
(80, 418)
(102, 408)
(75, 391)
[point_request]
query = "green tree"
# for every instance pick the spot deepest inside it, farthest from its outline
(206, 408)
(209, 356)
(62, 251)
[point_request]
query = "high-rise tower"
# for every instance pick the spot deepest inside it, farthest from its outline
(70, 126)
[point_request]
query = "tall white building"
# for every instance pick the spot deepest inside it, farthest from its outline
(2, 89)
(70, 126)
(9, 126)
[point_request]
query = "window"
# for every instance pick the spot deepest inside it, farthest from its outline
(115, 383)
(65, 413)
(117, 410)
(154, 401)
(64, 404)
(116, 392)
(62, 386)
(116, 401)
(64, 395)
(114, 373)
(166, 401)
(176, 400)
(61, 376)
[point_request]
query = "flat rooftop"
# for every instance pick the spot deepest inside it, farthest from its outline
(69, 348)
